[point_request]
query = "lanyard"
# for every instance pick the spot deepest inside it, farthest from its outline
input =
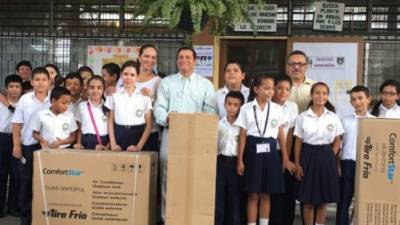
(94, 124)
(266, 120)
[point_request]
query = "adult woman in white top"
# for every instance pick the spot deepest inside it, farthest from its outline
(147, 83)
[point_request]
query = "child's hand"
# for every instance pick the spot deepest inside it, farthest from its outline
(17, 152)
(44, 144)
(116, 148)
(55, 144)
(289, 166)
(78, 146)
(299, 173)
(146, 92)
(100, 147)
(132, 148)
(240, 167)
(110, 90)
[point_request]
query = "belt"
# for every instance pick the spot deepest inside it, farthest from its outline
(130, 126)
(227, 158)
(93, 135)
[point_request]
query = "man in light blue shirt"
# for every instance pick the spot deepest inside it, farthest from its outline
(184, 92)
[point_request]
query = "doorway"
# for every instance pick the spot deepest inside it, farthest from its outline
(257, 57)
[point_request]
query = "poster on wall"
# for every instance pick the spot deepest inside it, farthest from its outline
(204, 61)
(98, 55)
(328, 16)
(264, 18)
(335, 64)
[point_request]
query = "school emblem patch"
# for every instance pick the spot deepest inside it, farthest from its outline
(104, 118)
(65, 126)
(340, 60)
(139, 113)
(330, 127)
(274, 123)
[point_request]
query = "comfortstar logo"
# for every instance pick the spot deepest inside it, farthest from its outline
(59, 172)
(392, 157)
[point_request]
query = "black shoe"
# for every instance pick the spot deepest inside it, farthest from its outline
(14, 212)
(2, 214)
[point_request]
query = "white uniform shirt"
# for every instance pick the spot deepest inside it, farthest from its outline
(52, 127)
(228, 138)
(74, 107)
(315, 130)
(392, 113)
(128, 109)
(99, 117)
(28, 107)
(221, 94)
(5, 119)
(290, 111)
(152, 84)
(246, 119)
(349, 136)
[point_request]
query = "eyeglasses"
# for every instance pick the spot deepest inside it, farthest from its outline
(294, 64)
(388, 93)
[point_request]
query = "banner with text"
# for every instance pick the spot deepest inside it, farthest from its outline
(336, 65)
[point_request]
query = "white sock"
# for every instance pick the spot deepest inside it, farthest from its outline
(319, 224)
(264, 221)
(251, 223)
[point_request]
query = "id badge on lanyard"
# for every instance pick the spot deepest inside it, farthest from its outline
(263, 147)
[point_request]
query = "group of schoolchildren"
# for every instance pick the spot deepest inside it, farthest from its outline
(261, 135)
(81, 111)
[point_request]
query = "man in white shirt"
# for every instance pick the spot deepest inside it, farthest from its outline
(184, 92)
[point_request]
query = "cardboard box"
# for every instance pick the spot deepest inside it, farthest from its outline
(75, 187)
(378, 175)
(192, 153)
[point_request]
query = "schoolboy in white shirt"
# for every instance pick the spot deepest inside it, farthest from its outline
(8, 164)
(360, 100)
(23, 143)
(55, 127)
(227, 203)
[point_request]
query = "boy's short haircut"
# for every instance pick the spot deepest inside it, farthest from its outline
(235, 94)
(12, 78)
(23, 63)
(57, 92)
(74, 75)
(283, 78)
(58, 80)
(360, 88)
(40, 70)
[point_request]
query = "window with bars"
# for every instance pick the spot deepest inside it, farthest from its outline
(282, 14)
(355, 13)
(303, 14)
(379, 18)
